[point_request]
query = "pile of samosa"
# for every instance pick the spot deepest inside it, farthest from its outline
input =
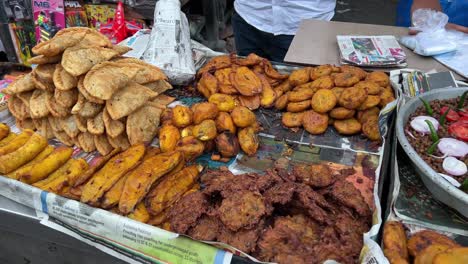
(140, 182)
(84, 93)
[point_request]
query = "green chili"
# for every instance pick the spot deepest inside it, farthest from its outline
(462, 100)
(427, 106)
(434, 135)
(432, 148)
(444, 116)
(464, 186)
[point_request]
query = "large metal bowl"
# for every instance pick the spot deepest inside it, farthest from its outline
(441, 189)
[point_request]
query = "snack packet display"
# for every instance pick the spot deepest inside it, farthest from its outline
(169, 47)
(49, 18)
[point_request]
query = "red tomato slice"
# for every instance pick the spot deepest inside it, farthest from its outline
(459, 130)
(463, 119)
(451, 116)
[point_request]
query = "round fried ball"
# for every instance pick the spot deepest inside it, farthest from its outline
(292, 119)
(346, 79)
(348, 126)
(352, 98)
(315, 123)
(323, 101)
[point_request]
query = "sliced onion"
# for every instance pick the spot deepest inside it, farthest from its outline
(451, 180)
(419, 124)
(453, 147)
(454, 167)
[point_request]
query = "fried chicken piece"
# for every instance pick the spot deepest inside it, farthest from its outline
(244, 239)
(345, 193)
(206, 229)
(242, 210)
(314, 175)
(291, 239)
(185, 213)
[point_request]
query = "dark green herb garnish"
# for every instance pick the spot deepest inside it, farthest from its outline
(462, 100)
(428, 107)
(464, 185)
(432, 148)
(434, 135)
(444, 117)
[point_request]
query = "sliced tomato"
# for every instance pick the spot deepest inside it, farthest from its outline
(451, 116)
(459, 130)
(463, 118)
(463, 112)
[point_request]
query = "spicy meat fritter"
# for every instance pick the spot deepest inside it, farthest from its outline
(242, 210)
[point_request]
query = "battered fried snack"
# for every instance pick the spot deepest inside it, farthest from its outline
(94, 165)
(4, 131)
(66, 98)
(320, 71)
(379, 77)
(207, 85)
(23, 83)
(242, 211)
(18, 109)
(251, 60)
(147, 74)
(315, 123)
(224, 122)
(128, 99)
(323, 101)
(110, 173)
(186, 132)
(181, 116)
(360, 73)
(168, 137)
(386, 97)
(282, 88)
(298, 77)
(171, 189)
(352, 97)
(79, 60)
(245, 81)
(324, 82)
(224, 81)
(271, 72)
(314, 175)
(140, 180)
(371, 101)
(227, 144)
(338, 91)
(112, 197)
(204, 111)
(185, 213)
(421, 240)
(452, 255)
(7, 139)
(268, 95)
(16, 142)
(394, 242)
(248, 140)
(347, 126)
(370, 128)
(244, 240)
(224, 102)
(64, 176)
(38, 103)
(216, 63)
(95, 125)
(363, 116)
(207, 229)
(251, 102)
(205, 131)
(140, 213)
(345, 193)
(191, 147)
(41, 59)
(242, 116)
(371, 87)
(26, 168)
(13, 160)
(428, 254)
(341, 113)
(282, 102)
(301, 94)
(142, 124)
(298, 106)
(345, 79)
(292, 119)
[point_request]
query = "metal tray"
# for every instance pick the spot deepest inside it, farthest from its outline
(441, 189)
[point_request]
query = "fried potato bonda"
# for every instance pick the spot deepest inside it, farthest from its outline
(323, 101)
(352, 98)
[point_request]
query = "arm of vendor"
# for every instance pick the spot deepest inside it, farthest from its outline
(456, 10)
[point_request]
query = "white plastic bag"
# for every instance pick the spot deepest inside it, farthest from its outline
(169, 45)
(433, 38)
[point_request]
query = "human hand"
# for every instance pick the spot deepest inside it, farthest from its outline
(449, 26)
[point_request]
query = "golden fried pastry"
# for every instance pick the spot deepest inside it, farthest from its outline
(205, 131)
(224, 81)
(394, 243)
(38, 103)
(363, 116)
(421, 240)
(452, 256)
(55, 109)
(86, 141)
(203, 111)
(271, 72)
(345, 79)
(207, 85)
(319, 71)
(315, 123)
(428, 254)
(18, 109)
(21, 84)
(251, 102)
(182, 116)
(379, 77)
(224, 122)
(371, 101)
(341, 113)
(298, 106)
(216, 63)
(246, 81)
(352, 97)
(41, 59)
(323, 101)
(324, 82)
(79, 60)
(142, 125)
(268, 95)
(248, 140)
(347, 126)
(282, 102)
(292, 119)
(338, 91)
(300, 94)
(371, 87)
(386, 97)
(224, 102)
(147, 73)
(66, 98)
(282, 88)
(128, 99)
(360, 73)
(243, 117)
(299, 77)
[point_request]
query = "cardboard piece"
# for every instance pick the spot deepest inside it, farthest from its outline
(315, 44)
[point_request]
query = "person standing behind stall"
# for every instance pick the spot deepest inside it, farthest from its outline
(456, 10)
(267, 27)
